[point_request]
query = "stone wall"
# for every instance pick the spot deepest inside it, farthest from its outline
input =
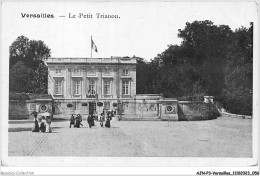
(19, 109)
(145, 106)
(79, 107)
(140, 109)
(197, 111)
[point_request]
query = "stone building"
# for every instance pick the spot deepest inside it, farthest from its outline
(85, 85)
(83, 82)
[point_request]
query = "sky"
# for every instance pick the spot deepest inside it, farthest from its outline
(144, 29)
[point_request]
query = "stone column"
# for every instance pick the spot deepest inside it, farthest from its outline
(208, 99)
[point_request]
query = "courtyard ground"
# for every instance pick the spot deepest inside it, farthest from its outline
(222, 137)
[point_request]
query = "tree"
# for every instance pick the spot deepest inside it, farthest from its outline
(20, 77)
(143, 77)
(211, 60)
(39, 82)
(239, 72)
(205, 46)
(30, 54)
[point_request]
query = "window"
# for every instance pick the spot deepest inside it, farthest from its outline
(125, 72)
(75, 106)
(33, 106)
(107, 72)
(92, 87)
(76, 71)
(107, 87)
(92, 73)
(76, 87)
(58, 71)
(58, 87)
(125, 87)
(106, 105)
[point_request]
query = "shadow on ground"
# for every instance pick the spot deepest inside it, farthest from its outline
(20, 129)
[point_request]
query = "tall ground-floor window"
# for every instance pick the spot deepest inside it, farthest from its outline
(107, 87)
(125, 87)
(106, 105)
(58, 87)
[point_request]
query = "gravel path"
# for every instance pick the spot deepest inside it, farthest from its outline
(222, 137)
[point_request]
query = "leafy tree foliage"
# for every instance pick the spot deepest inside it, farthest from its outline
(20, 77)
(143, 76)
(28, 73)
(239, 72)
(39, 81)
(211, 60)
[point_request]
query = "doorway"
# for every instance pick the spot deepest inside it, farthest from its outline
(92, 107)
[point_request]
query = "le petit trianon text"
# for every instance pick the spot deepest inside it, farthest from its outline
(69, 15)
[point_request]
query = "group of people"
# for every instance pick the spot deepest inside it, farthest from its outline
(41, 124)
(105, 116)
(76, 121)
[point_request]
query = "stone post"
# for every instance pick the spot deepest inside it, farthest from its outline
(208, 99)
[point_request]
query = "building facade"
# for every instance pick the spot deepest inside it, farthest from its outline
(83, 82)
(87, 85)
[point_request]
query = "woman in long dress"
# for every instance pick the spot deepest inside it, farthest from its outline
(90, 120)
(48, 124)
(109, 118)
(72, 120)
(35, 127)
(102, 119)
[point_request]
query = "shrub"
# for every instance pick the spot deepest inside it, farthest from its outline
(18, 96)
(69, 105)
(84, 104)
(99, 104)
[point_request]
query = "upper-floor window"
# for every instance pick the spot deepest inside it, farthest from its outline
(58, 71)
(125, 72)
(58, 87)
(92, 87)
(76, 71)
(107, 87)
(92, 72)
(76, 87)
(107, 72)
(125, 87)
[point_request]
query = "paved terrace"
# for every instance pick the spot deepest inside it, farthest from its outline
(222, 137)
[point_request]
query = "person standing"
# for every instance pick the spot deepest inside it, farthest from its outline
(102, 119)
(80, 119)
(90, 119)
(77, 122)
(48, 124)
(109, 118)
(42, 124)
(35, 127)
(72, 120)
